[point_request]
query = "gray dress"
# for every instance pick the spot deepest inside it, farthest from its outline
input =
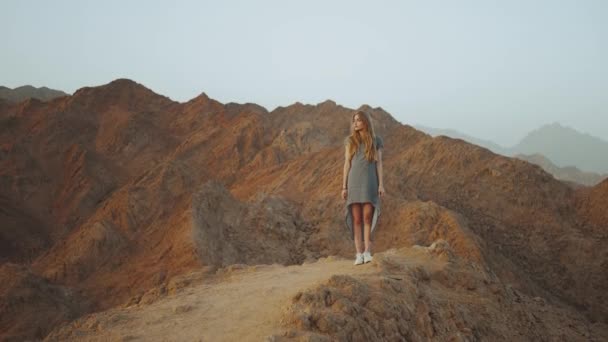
(363, 186)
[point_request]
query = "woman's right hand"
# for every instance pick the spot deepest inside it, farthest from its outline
(344, 193)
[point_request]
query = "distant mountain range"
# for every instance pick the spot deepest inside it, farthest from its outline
(492, 146)
(566, 146)
(563, 146)
(568, 173)
(25, 92)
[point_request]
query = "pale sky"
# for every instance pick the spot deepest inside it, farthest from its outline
(495, 70)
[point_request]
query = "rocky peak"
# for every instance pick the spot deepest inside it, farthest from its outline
(121, 93)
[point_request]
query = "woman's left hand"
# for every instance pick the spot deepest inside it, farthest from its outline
(381, 191)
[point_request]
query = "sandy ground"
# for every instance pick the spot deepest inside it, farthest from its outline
(241, 305)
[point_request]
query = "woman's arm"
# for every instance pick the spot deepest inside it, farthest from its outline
(345, 173)
(379, 169)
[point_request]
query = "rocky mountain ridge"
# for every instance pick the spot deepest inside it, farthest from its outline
(115, 192)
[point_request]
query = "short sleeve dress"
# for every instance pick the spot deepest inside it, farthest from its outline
(363, 186)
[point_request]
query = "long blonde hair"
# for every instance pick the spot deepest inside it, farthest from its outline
(367, 138)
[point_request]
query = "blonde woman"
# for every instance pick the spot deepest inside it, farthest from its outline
(362, 184)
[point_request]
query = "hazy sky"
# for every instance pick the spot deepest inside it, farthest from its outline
(492, 69)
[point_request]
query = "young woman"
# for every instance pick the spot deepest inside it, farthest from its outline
(362, 183)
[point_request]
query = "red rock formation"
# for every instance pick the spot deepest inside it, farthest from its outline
(119, 190)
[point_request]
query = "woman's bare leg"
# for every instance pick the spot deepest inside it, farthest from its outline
(357, 220)
(368, 215)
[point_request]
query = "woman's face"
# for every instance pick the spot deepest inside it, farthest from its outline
(358, 123)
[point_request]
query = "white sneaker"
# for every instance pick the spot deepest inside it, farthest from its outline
(359, 259)
(367, 257)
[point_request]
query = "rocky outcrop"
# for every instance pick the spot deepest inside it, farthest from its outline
(226, 231)
(442, 299)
